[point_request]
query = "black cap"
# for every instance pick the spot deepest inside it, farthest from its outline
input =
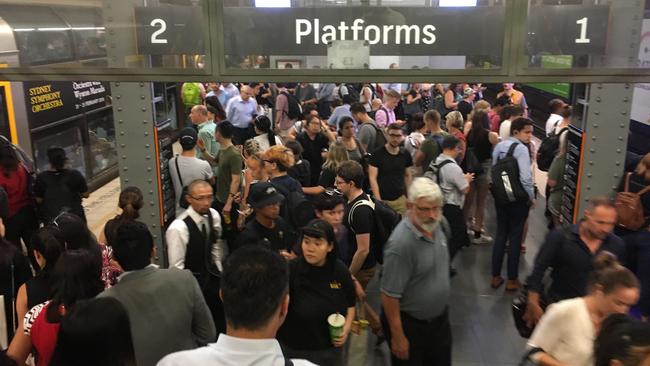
(263, 194)
(187, 138)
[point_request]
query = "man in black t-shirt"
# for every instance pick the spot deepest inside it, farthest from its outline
(349, 180)
(315, 144)
(389, 173)
(267, 226)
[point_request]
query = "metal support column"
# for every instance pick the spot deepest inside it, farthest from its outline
(134, 120)
(607, 127)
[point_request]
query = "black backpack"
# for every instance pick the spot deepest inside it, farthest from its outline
(506, 186)
(352, 92)
(297, 210)
(385, 219)
(548, 150)
(293, 111)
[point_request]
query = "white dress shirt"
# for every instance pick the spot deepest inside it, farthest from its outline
(178, 236)
(552, 121)
(231, 351)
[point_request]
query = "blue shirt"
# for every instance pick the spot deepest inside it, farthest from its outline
(241, 113)
(522, 155)
(326, 92)
(227, 93)
(340, 111)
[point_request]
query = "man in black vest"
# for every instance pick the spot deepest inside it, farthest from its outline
(193, 244)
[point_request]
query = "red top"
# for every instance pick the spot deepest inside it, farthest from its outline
(495, 121)
(42, 333)
(15, 183)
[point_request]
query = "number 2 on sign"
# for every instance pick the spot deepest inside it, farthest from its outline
(583, 30)
(163, 27)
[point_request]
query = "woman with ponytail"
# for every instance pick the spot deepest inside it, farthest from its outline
(130, 202)
(265, 135)
(565, 334)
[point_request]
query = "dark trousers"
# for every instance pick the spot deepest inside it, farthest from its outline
(210, 286)
(510, 229)
(637, 247)
(22, 225)
(429, 341)
(458, 226)
(240, 135)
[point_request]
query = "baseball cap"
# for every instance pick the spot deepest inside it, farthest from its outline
(187, 138)
(468, 91)
(263, 194)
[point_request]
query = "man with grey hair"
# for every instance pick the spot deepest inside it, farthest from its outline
(240, 112)
(415, 281)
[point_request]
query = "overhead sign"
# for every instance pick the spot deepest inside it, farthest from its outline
(568, 30)
(414, 31)
(170, 30)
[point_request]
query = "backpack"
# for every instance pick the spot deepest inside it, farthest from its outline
(470, 163)
(433, 171)
(384, 221)
(293, 110)
(380, 139)
(506, 186)
(547, 151)
(629, 207)
(191, 94)
(352, 92)
(297, 209)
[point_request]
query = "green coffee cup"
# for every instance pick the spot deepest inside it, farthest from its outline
(336, 323)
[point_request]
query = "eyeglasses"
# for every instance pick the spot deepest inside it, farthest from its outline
(203, 198)
(340, 181)
(333, 192)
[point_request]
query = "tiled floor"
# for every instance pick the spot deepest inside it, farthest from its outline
(483, 330)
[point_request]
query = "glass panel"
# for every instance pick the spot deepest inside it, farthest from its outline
(41, 36)
(588, 34)
(69, 138)
(101, 139)
(362, 34)
(168, 35)
(87, 29)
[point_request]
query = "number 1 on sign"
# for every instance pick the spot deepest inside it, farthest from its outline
(583, 30)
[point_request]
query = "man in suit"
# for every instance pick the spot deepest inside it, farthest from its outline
(166, 307)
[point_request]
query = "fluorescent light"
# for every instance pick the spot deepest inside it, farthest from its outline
(88, 28)
(272, 3)
(455, 3)
(24, 29)
(52, 29)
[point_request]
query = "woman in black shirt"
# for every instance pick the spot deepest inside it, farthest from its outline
(59, 189)
(320, 285)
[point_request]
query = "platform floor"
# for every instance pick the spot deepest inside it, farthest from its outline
(483, 330)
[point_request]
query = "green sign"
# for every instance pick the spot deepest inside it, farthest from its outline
(555, 62)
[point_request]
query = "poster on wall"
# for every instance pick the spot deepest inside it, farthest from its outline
(641, 98)
(49, 102)
(572, 174)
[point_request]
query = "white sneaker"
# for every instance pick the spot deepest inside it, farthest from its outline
(483, 239)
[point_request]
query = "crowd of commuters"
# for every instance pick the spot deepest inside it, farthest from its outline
(290, 199)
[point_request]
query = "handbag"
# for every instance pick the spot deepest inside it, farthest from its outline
(471, 164)
(519, 305)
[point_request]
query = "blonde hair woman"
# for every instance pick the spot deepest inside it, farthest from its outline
(337, 154)
(454, 122)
